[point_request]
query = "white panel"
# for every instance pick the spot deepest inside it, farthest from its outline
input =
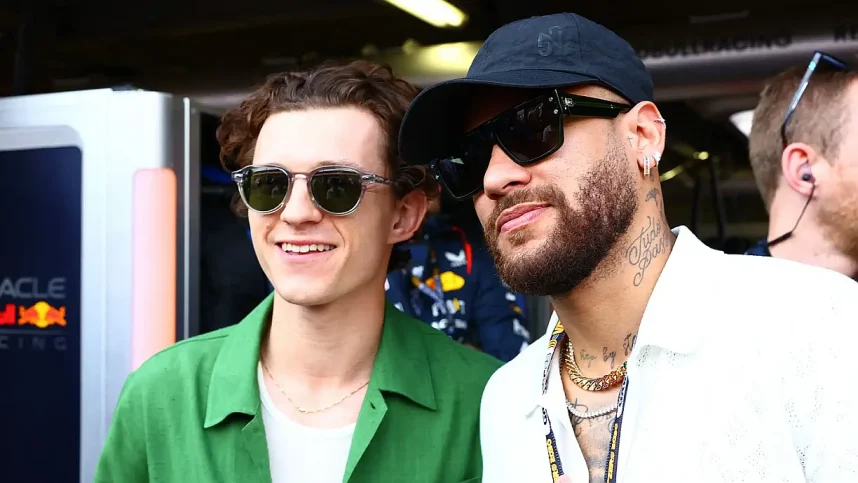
(118, 132)
(743, 121)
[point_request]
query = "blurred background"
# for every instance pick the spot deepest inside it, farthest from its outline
(107, 117)
(707, 59)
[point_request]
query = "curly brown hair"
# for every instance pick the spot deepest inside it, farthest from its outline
(361, 84)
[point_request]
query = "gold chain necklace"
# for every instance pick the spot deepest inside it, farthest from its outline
(305, 410)
(607, 381)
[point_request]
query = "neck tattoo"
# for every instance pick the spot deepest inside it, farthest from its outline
(607, 381)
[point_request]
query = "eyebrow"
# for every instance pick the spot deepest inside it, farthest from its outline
(323, 163)
(340, 162)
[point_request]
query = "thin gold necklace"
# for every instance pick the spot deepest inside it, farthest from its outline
(305, 410)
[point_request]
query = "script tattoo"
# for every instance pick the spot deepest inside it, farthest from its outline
(609, 356)
(652, 195)
(594, 437)
(588, 358)
(581, 424)
(576, 421)
(652, 242)
(629, 343)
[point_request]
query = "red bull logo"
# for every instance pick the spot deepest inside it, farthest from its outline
(42, 315)
(7, 314)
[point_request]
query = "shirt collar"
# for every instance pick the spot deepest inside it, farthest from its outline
(668, 321)
(233, 387)
(401, 364)
(554, 399)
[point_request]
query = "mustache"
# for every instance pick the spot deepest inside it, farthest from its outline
(549, 194)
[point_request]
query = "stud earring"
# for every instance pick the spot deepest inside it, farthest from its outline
(657, 157)
(646, 165)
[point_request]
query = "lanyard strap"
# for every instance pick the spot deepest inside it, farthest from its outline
(557, 337)
(614, 449)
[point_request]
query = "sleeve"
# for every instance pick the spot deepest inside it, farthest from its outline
(123, 457)
(500, 322)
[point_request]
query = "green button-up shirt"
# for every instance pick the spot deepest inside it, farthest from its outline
(192, 413)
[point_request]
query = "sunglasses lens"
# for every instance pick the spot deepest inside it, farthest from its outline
(336, 192)
(264, 189)
(463, 174)
(530, 131)
(526, 133)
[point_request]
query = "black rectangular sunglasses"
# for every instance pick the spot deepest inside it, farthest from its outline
(337, 190)
(814, 65)
(527, 133)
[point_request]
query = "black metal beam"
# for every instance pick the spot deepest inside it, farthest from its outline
(24, 54)
(170, 18)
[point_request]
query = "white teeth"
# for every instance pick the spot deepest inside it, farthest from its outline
(288, 247)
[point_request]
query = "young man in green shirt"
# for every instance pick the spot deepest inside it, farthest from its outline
(324, 381)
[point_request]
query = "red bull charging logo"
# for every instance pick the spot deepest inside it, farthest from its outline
(42, 315)
(31, 317)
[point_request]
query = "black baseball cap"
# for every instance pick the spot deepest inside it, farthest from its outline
(548, 52)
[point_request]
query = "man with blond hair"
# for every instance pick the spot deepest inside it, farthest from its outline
(804, 152)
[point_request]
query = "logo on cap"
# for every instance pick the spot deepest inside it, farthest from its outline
(546, 43)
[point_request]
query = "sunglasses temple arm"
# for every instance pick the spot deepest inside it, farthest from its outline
(802, 86)
(373, 178)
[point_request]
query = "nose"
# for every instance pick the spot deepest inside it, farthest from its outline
(299, 207)
(503, 175)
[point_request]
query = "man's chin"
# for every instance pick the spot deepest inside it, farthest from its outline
(537, 268)
(520, 244)
(520, 259)
(305, 293)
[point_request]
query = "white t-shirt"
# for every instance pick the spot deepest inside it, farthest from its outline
(301, 454)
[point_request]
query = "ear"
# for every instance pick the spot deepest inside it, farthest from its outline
(797, 160)
(645, 130)
(408, 216)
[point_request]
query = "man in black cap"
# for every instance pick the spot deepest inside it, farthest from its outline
(705, 366)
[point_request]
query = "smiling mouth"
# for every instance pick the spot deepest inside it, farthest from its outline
(312, 248)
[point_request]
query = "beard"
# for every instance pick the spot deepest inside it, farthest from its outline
(839, 220)
(580, 239)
